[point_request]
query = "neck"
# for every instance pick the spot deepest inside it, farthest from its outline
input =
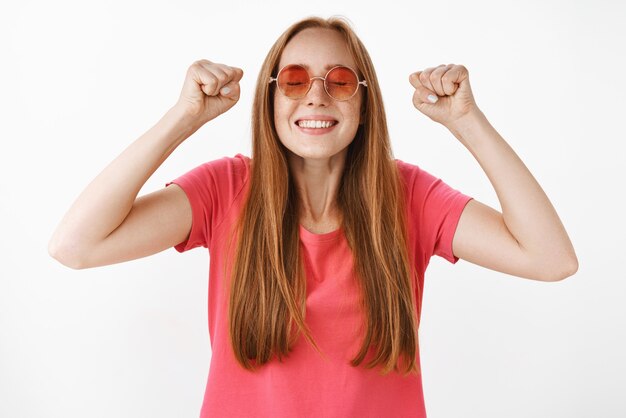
(317, 183)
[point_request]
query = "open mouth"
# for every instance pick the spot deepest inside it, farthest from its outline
(316, 124)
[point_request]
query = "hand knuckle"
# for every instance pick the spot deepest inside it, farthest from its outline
(222, 77)
(211, 80)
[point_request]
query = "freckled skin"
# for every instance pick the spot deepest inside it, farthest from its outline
(317, 48)
(317, 161)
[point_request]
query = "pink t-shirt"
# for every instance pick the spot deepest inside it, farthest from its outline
(306, 384)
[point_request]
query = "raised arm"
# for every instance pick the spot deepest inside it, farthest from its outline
(107, 223)
(527, 239)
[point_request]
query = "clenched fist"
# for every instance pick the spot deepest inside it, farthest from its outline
(449, 87)
(209, 90)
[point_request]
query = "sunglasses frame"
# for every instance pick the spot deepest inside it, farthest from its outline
(311, 79)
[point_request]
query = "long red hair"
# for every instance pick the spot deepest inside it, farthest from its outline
(268, 287)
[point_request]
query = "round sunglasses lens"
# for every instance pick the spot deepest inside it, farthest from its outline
(293, 81)
(341, 83)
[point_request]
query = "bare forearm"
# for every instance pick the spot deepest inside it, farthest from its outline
(526, 210)
(107, 200)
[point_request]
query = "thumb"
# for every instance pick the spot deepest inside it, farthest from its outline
(231, 90)
(423, 95)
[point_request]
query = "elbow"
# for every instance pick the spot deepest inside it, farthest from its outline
(564, 271)
(62, 257)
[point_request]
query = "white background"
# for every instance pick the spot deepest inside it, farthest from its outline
(80, 81)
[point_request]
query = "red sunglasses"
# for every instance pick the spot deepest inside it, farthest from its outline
(341, 83)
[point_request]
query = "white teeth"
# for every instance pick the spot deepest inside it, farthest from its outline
(315, 123)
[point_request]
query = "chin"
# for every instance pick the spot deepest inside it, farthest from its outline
(316, 154)
(314, 148)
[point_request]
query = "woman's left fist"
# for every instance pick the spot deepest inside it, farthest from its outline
(449, 84)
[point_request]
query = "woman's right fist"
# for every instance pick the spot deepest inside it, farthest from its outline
(210, 89)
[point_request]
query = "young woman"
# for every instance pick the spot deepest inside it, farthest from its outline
(320, 241)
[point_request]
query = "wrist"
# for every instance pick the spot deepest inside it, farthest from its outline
(185, 120)
(463, 127)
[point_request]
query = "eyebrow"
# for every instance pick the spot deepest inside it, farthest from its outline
(328, 67)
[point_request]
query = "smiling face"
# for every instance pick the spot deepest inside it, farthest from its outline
(317, 50)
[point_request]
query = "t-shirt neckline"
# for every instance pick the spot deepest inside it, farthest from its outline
(310, 237)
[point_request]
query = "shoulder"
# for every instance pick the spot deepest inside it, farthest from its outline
(408, 172)
(405, 167)
(238, 164)
(230, 170)
(414, 174)
(220, 177)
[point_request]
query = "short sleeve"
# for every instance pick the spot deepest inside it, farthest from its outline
(436, 208)
(211, 188)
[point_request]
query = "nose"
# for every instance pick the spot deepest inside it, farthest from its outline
(317, 94)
